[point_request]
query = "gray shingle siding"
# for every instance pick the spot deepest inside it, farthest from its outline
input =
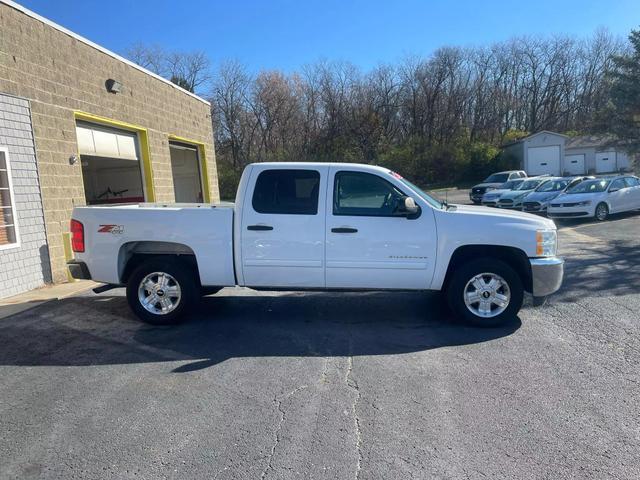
(27, 266)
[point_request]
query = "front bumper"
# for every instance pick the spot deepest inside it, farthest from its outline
(534, 207)
(476, 197)
(546, 275)
(510, 206)
(562, 210)
(568, 213)
(78, 270)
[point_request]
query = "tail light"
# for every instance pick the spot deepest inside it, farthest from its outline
(77, 236)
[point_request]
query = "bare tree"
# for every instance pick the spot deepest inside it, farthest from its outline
(151, 57)
(189, 70)
(436, 117)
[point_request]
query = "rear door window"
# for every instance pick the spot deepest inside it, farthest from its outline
(617, 184)
(287, 192)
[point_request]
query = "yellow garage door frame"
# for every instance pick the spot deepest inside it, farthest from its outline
(202, 157)
(143, 138)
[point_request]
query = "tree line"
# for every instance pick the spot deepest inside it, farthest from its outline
(441, 118)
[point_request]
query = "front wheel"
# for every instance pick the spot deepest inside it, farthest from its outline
(485, 292)
(161, 291)
(602, 212)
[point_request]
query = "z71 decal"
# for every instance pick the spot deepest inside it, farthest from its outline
(114, 229)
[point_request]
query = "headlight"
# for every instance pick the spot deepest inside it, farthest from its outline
(583, 204)
(546, 243)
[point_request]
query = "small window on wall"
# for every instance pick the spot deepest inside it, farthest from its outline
(8, 226)
(185, 168)
(111, 168)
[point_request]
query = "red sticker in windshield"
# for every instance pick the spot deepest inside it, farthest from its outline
(396, 175)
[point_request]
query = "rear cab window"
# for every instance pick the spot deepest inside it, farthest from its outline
(287, 192)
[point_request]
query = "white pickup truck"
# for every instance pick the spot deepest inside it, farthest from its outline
(318, 226)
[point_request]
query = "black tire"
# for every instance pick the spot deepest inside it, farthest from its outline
(601, 212)
(182, 275)
(463, 274)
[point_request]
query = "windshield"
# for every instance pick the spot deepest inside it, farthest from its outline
(590, 186)
(529, 185)
(510, 185)
(553, 186)
(425, 196)
(497, 178)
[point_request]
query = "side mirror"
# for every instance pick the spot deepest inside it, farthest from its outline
(410, 206)
(407, 207)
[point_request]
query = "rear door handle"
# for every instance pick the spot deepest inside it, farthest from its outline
(260, 227)
(344, 230)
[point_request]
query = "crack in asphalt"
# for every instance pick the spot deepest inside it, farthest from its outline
(276, 434)
(278, 401)
(353, 384)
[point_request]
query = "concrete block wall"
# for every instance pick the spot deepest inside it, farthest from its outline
(60, 74)
(24, 267)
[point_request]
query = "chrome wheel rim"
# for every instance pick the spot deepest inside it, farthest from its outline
(487, 295)
(601, 212)
(159, 293)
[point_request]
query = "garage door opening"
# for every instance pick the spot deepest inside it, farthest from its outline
(185, 167)
(111, 169)
(544, 160)
(574, 164)
(605, 162)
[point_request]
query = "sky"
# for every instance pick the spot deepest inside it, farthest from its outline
(287, 35)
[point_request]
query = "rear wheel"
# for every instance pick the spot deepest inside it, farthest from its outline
(602, 212)
(161, 291)
(485, 292)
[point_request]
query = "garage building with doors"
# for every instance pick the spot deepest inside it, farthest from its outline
(595, 154)
(557, 154)
(80, 125)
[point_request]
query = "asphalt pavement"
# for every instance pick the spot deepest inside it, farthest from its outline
(334, 385)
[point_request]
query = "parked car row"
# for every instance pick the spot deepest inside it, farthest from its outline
(514, 198)
(561, 197)
(493, 182)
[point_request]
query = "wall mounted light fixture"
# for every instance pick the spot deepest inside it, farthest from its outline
(113, 86)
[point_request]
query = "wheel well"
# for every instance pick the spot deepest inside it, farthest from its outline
(133, 254)
(514, 257)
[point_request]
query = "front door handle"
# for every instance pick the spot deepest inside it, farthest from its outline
(260, 227)
(344, 230)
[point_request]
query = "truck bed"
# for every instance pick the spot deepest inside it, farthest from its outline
(119, 231)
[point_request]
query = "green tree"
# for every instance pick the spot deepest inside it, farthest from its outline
(621, 117)
(181, 82)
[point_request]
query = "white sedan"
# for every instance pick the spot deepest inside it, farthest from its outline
(598, 198)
